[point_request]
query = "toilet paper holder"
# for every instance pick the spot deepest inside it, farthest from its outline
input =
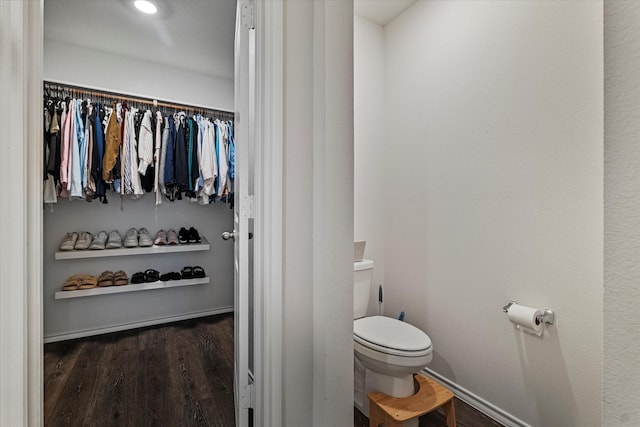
(547, 316)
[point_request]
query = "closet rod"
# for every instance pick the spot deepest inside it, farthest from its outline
(62, 87)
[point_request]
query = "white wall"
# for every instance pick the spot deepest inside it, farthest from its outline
(370, 169)
(622, 210)
(317, 271)
(494, 125)
(64, 62)
(74, 64)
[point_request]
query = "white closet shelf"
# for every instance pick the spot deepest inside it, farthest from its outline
(189, 247)
(132, 287)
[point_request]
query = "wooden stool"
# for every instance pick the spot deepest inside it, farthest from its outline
(393, 411)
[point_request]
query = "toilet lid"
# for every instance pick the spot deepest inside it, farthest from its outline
(390, 333)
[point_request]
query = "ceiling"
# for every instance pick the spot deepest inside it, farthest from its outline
(381, 11)
(196, 35)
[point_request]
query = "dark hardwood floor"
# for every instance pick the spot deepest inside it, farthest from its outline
(466, 416)
(172, 375)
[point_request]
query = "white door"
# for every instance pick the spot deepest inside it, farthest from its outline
(243, 209)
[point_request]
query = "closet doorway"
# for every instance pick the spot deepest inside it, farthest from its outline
(183, 54)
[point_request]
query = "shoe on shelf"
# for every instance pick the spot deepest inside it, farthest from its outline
(144, 238)
(194, 236)
(69, 241)
(198, 272)
(99, 241)
(105, 279)
(120, 278)
(73, 282)
(174, 275)
(161, 238)
(172, 237)
(114, 241)
(138, 277)
(88, 282)
(131, 238)
(187, 272)
(183, 235)
(84, 240)
(151, 275)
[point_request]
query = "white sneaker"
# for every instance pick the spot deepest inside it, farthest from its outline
(131, 238)
(69, 241)
(84, 240)
(99, 241)
(144, 238)
(115, 240)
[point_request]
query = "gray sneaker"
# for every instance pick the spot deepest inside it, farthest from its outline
(99, 241)
(131, 238)
(69, 241)
(114, 241)
(144, 238)
(172, 237)
(161, 238)
(84, 240)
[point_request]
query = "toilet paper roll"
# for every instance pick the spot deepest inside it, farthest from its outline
(526, 318)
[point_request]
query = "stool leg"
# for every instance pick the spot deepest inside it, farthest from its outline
(377, 416)
(450, 413)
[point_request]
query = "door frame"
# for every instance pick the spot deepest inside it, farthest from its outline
(268, 226)
(21, 64)
(21, 357)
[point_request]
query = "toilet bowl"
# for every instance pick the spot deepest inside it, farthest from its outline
(387, 351)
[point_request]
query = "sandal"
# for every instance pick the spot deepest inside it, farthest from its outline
(187, 273)
(151, 275)
(88, 282)
(137, 278)
(198, 272)
(72, 283)
(170, 276)
(105, 279)
(120, 278)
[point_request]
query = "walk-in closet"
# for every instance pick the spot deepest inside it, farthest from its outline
(110, 70)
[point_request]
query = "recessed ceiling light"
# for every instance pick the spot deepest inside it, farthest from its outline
(145, 6)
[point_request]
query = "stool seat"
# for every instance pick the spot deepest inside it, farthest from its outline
(393, 411)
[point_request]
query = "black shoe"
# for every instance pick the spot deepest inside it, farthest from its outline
(183, 236)
(194, 236)
(198, 272)
(187, 273)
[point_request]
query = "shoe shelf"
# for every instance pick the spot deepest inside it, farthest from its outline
(188, 247)
(131, 287)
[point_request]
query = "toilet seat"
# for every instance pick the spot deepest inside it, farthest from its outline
(391, 336)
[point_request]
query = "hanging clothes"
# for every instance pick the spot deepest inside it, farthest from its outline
(156, 157)
(89, 147)
(181, 161)
(113, 143)
(222, 156)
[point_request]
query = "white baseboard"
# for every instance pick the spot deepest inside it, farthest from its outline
(142, 324)
(477, 402)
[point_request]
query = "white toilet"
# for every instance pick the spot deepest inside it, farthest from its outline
(387, 351)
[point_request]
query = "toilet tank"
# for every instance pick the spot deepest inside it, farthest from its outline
(362, 277)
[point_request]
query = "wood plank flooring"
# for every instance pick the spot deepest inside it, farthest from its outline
(173, 375)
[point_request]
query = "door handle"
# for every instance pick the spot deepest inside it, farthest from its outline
(232, 235)
(229, 235)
